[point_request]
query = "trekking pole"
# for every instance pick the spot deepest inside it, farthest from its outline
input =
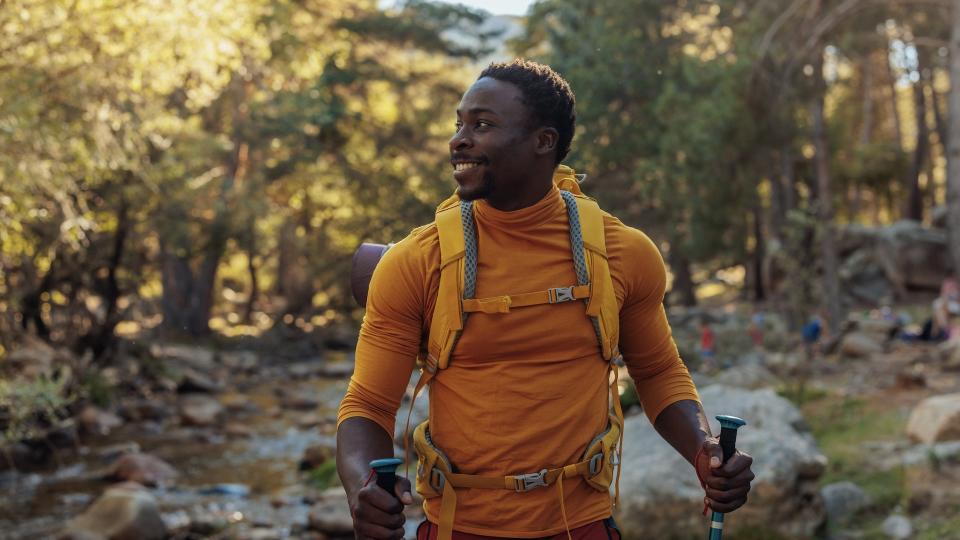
(728, 443)
(386, 470)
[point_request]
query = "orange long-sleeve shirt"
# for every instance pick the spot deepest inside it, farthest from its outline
(525, 390)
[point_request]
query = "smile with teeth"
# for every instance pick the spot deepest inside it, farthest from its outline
(464, 166)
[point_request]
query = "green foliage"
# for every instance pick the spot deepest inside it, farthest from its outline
(324, 476)
(27, 407)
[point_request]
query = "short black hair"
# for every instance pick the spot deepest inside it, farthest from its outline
(545, 93)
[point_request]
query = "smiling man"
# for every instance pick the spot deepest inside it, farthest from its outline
(520, 298)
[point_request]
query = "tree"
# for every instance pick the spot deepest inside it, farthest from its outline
(953, 141)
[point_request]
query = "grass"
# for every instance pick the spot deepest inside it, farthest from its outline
(841, 424)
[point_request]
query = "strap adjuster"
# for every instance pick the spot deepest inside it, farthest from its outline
(561, 294)
(527, 482)
(437, 479)
(596, 463)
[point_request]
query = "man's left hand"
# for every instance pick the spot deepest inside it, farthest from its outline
(726, 484)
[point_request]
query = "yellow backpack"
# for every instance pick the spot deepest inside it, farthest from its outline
(436, 476)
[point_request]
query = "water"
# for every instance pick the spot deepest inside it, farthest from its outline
(35, 505)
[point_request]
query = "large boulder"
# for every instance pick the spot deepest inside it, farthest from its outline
(905, 255)
(860, 345)
(123, 512)
(935, 419)
(661, 496)
(141, 468)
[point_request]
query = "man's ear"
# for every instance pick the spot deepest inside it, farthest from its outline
(546, 142)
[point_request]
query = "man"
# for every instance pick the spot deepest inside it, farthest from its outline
(526, 388)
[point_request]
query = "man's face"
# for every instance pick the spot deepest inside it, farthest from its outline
(492, 150)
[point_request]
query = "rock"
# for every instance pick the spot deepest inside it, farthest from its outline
(331, 515)
(195, 357)
(303, 370)
(141, 468)
(311, 420)
(238, 430)
(299, 398)
(746, 376)
(64, 435)
(910, 378)
(842, 501)
(859, 345)
(35, 357)
(192, 380)
(897, 527)
(94, 421)
(935, 419)
(136, 410)
(663, 497)
(339, 370)
(199, 410)
(24, 456)
(114, 451)
(124, 512)
(240, 360)
(314, 456)
(263, 533)
(938, 216)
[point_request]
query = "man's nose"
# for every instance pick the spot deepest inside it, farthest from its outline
(460, 140)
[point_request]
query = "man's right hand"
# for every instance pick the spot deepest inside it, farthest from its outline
(378, 515)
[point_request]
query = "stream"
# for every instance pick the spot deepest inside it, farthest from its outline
(224, 479)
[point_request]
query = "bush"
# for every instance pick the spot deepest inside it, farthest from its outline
(28, 407)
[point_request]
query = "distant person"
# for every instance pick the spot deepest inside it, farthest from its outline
(945, 309)
(811, 332)
(708, 344)
(755, 328)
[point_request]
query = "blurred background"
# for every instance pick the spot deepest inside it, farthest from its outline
(183, 184)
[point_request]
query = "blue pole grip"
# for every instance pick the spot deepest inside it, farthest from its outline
(728, 444)
(386, 470)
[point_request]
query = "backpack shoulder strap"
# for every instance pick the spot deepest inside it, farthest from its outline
(458, 280)
(602, 305)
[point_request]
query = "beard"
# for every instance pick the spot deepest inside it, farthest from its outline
(481, 190)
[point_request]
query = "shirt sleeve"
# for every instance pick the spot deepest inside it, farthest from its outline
(646, 341)
(390, 337)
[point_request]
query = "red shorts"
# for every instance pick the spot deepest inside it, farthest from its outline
(604, 529)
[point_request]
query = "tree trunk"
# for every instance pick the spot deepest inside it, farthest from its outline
(895, 110)
(914, 203)
(953, 142)
(866, 129)
(682, 290)
(99, 339)
(831, 284)
(759, 253)
(252, 271)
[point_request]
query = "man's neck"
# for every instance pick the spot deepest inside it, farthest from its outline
(528, 193)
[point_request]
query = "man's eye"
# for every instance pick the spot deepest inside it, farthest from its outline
(483, 123)
(457, 125)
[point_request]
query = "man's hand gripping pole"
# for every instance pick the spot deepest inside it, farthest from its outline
(728, 443)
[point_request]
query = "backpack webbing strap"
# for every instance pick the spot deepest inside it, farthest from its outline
(579, 256)
(470, 251)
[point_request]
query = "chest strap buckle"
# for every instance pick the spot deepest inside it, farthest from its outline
(561, 294)
(527, 482)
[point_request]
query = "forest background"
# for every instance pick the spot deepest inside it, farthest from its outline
(205, 170)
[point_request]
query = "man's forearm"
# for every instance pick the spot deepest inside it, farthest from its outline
(684, 425)
(359, 441)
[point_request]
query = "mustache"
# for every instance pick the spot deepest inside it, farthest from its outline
(458, 156)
